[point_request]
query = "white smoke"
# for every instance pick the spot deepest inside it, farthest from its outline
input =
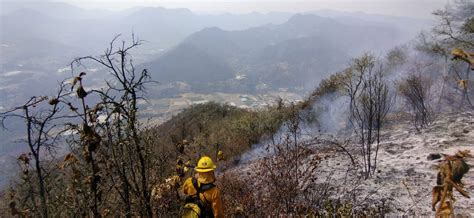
(332, 113)
(331, 116)
(260, 150)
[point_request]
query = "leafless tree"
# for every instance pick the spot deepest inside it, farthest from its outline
(456, 24)
(370, 102)
(40, 114)
(110, 163)
(454, 31)
(119, 103)
(415, 90)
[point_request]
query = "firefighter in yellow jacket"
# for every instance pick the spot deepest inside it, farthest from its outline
(203, 197)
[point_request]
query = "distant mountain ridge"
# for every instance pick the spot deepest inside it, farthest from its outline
(241, 49)
(296, 53)
(165, 26)
(90, 30)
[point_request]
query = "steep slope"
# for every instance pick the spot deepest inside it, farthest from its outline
(405, 175)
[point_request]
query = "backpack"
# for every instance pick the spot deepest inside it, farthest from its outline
(195, 207)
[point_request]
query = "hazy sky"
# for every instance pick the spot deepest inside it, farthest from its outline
(412, 8)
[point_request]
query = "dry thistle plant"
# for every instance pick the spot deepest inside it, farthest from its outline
(451, 170)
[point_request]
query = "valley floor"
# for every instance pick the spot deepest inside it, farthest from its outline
(161, 110)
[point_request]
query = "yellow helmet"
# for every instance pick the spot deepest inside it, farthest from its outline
(205, 164)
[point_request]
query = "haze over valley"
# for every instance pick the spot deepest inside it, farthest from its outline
(255, 57)
(108, 106)
(233, 53)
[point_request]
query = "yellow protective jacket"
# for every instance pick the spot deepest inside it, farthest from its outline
(212, 196)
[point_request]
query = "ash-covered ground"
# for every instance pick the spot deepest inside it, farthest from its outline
(404, 176)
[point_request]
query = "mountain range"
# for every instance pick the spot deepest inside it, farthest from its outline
(276, 49)
(297, 53)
